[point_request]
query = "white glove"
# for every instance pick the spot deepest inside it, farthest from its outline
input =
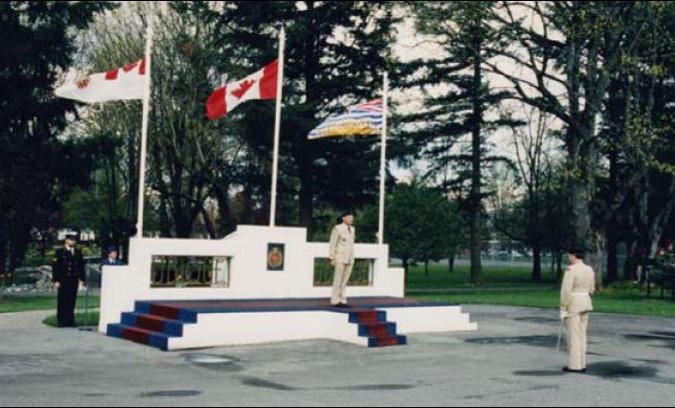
(563, 314)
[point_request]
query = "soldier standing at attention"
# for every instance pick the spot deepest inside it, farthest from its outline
(68, 276)
(575, 306)
(341, 255)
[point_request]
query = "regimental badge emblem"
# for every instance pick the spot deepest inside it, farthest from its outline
(275, 257)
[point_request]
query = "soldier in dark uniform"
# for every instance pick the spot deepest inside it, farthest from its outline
(111, 259)
(67, 275)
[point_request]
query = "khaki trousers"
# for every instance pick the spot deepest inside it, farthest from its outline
(576, 325)
(340, 279)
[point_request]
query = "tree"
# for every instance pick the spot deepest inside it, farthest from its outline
(461, 103)
(101, 205)
(336, 54)
(190, 160)
(536, 217)
(637, 125)
(533, 162)
(421, 224)
(568, 60)
(37, 169)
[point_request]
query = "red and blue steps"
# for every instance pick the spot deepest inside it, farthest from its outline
(373, 325)
(154, 323)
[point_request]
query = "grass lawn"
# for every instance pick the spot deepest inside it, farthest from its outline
(440, 278)
(610, 301)
(504, 287)
(620, 298)
(81, 319)
(23, 304)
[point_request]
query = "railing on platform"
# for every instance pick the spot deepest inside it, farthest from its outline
(362, 274)
(170, 271)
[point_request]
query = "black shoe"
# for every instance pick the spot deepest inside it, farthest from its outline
(569, 370)
(341, 306)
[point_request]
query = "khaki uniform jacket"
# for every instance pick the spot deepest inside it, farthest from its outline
(577, 288)
(342, 244)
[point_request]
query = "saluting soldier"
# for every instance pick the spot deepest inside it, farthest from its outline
(112, 254)
(575, 306)
(67, 275)
(341, 255)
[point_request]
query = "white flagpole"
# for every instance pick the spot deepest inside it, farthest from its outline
(144, 131)
(383, 156)
(277, 128)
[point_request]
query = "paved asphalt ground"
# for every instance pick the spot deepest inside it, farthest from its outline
(510, 361)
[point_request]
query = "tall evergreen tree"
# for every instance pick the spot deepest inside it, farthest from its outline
(36, 169)
(460, 102)
(336, 54)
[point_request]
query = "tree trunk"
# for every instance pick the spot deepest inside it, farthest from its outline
(306, 188)
(3, 251)
(553, 259)
(618, 110)
(612, 257)
(227, 222)
(596, 258)
(210, 225)
(247, 216)
(559, 272)
(631, 263)
(451, 263)
(132, 176)
(536, 263)
(580, 196)
(475, 195)
(164, 224)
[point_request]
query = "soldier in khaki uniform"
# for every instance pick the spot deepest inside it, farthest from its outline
(341, 255)
(575, 306)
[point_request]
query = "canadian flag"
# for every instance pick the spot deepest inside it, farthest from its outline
(117, 84)
(259, 85)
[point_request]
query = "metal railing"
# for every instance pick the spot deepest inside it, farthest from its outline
(169, 271)
(362, 274)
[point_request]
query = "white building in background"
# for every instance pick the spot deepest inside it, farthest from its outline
(84, 235)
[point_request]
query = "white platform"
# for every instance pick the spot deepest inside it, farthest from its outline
(123, 286)
(229, 329)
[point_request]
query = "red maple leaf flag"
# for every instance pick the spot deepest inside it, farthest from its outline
(117, 84)
(261, 84)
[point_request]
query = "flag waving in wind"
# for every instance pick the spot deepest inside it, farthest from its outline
(359, 120)
(368, 118)
(261, 84)
(117, 84)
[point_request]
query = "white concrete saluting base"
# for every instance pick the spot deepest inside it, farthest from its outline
(257, 305)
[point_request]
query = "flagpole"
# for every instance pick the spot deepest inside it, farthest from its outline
(144, 131)
(383, 156)
(277, 128)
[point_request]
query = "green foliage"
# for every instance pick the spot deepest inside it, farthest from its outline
(448, 84)
(422, 224)
(81, 319)
(37, 169)
(336, 53)
(31, 303)
(618, 302)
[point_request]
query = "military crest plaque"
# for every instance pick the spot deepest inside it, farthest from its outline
(276, 257)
